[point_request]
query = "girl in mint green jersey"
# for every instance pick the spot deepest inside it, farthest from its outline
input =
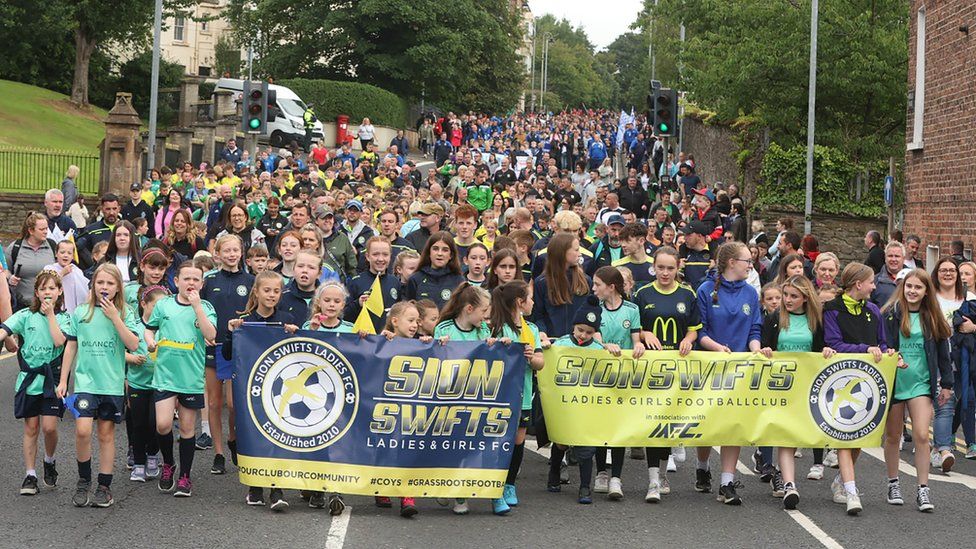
(41, 346)
(327, 307)
(139, 396)
(177, 331)
(99, 334)
(510, 302)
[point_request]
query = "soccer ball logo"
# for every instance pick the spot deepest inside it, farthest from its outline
(303, 394)
(849, 400)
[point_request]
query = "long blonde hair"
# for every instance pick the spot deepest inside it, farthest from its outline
(316, 308)
(930, 313)
(814, 310)
(93, 297)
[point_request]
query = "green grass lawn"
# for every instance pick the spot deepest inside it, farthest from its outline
(36, 118)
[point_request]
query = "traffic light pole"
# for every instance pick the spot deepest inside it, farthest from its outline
(154, 90)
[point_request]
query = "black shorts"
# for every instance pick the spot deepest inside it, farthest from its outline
(525, 418)
(104, 407)
(894, 401)
(37, 405)
(193, 401)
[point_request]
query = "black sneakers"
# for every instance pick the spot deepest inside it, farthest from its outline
(50, 475)
(277, 500)
(82, 497)
(29, 487)
(727, 493)
(316, 500)
(703, 481)
(336, 505)
(218, 467)
(232, 446)
(255, 496)
(103, 497)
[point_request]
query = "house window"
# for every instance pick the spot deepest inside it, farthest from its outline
(179, 29)
(204, 25)
(919, 95)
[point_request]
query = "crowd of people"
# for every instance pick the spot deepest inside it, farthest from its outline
(522, 226)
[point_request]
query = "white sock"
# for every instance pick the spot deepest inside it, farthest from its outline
(205, 427)
(654, 475)
(48, 459)
(727, 478)
(703, 464)
(32, 472)
(850, 488)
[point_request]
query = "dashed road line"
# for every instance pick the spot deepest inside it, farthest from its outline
(814, 530)
(337, 530)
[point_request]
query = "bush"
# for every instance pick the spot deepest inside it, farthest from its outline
(331, 98)
(784, 182)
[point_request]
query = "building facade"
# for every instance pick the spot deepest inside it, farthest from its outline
(191, 41)
(940, 157)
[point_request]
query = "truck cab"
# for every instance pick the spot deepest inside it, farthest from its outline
(289, 109)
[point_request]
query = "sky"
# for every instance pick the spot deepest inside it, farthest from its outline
(603, 21)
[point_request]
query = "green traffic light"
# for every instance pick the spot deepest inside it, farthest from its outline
(254, 123)
(662, 127)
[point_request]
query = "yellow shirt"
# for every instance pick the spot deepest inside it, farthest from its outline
(148, 197)
(382, 183)
(232, 181)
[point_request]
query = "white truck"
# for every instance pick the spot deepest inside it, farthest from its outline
(289, 110)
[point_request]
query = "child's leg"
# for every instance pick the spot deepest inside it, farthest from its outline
(517, 453)
(231, 420)
(555, 463)
(188, 420)
(787, 464)
(83, 433)
(139, 403)
(164, 428)
(214, 406)
(49, 426)
(31, 429)
(617, 461)
(106, 451)
(601, 459)
(584, 455)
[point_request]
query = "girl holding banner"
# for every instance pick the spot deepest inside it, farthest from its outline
(668, 312)
(731, 322)
(925, 374)
(797, 326)
(852, 324)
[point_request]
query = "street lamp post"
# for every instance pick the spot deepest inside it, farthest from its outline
(154, 88)
(546, 39)
(811, 104)
(532, 69)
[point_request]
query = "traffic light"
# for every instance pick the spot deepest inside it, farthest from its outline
(665, 111)
(255, 114)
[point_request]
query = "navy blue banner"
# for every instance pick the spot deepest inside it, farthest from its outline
(333, 412)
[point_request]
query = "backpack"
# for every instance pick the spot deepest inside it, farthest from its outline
(19, 243)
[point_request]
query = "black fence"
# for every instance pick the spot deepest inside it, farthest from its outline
(34, 171)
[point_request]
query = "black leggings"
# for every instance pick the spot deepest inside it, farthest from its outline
(616, 461)
(656, 455)
(141, 425)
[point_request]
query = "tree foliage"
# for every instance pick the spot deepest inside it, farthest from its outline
(459, 54)
(750, 58)
(575, 77)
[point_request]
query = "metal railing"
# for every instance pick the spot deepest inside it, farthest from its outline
(34, 171)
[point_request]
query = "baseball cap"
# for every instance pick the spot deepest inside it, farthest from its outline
(695, 227)
(135, 187)
(432, 208)
(706, 193)
(616, 219)
(354, 204)
(323, 211)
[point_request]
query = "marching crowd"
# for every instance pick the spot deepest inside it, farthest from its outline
(521, 234)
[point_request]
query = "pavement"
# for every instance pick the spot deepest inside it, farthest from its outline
(216, 515)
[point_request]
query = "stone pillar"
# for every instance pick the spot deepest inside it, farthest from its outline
(189, 97)
(226, 129)
(205, 132)
(182, 138)
(121, 150)
(225, 104)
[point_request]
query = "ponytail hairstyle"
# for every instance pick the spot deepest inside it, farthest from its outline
(611, 277)
(331, 283)
(930, 313)
(563, 280)
(814, 310)
(726, 253)
(155, 256)
(466, 294)
(262, 278)
(504, 310)
(399, 309)
(39, 283)
(496, 258)
(854, 273)
(150, 294)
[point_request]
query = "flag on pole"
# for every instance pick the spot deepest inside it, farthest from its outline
(71, 238)
(624, 120)
(372, 308)
(525, 334)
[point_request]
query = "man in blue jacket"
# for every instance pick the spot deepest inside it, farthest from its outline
(597, 152)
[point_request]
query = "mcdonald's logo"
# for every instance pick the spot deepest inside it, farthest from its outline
(661, 326)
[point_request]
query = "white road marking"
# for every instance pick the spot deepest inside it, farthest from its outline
(533, 445)
(337, 531)
(909, 469)
(6, 355)
(814, 530)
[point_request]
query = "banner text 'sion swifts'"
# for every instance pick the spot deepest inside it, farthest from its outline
(591, 398)
(333, 412)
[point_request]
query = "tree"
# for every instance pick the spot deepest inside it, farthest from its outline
(749, 59)
(227, 56)
(573, 77)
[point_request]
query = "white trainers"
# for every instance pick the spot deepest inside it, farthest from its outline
(936, 459)
(837, 490)
(672, 467)
(460, 507)
(602, 483)
(616, 490)
(798, 453)
(830, 459)
(679, 454)
(665, 485)
(948, 460)
(653, 493)
(853, 504)
(816, 472)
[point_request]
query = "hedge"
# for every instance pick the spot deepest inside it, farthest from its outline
(331, 98)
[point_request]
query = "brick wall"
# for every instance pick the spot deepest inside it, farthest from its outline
(843, 235)
(940, 187)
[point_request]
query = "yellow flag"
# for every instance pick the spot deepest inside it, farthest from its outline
(374, 305)
(71, 238)
(525, 334)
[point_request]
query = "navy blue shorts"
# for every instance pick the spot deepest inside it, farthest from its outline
(37, 405)
(193, 401)
(215, 359)
(104, 407)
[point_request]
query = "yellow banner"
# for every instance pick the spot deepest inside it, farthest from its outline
(591, 398)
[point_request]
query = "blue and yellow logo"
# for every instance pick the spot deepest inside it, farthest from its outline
(848, 399)
(303, 394)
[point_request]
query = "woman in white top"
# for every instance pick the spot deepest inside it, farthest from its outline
(950, 293)
(366, 133)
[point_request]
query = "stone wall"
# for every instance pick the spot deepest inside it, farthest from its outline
(13, 211)
(843, 235)
(714, 149)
